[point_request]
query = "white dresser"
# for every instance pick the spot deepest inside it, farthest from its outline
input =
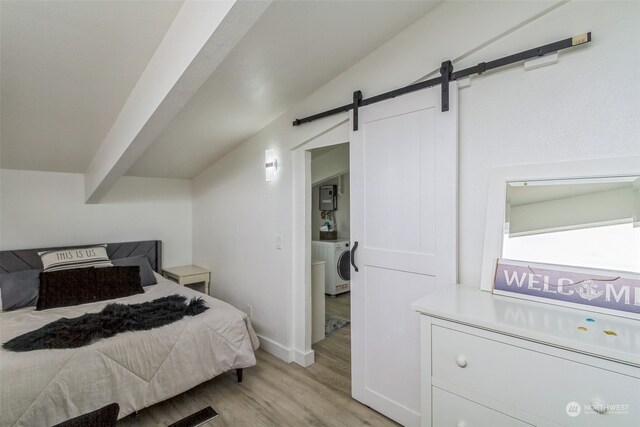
(495, 361)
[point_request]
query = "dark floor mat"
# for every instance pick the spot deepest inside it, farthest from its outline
(332, 324)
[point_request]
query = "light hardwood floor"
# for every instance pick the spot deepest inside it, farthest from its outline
(275, 393)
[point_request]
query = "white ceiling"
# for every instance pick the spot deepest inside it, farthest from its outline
(317, 152)
(68, 67)
(293, 49)
(527, 194)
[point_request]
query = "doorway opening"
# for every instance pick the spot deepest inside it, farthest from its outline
(330, 252)
(336, 134)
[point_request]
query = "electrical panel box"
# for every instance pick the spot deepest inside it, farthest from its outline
(328, 197)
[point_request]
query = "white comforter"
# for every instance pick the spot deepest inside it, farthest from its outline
(134, 369)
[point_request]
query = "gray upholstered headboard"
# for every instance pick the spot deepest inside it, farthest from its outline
(27, 259)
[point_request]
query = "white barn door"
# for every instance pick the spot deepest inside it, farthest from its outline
(404, 161)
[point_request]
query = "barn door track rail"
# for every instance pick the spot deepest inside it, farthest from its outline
(447, 75)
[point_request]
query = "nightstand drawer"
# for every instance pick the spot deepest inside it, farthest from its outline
(531, 381)
(450, 410)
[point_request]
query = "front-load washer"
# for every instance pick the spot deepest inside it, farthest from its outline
(336, 256)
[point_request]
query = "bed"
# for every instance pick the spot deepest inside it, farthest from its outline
(133, 369)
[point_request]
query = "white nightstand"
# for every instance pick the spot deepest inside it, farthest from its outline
(189, 274)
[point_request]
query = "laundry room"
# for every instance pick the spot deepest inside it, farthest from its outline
(330, 247)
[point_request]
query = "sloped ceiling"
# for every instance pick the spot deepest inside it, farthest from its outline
(294, 49)
(68, 67)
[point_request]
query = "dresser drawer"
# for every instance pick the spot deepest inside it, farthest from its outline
(532, 381)
(450, 410)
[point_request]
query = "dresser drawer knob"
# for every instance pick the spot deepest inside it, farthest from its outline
(599, 407)
(461, 424)
(461, 361)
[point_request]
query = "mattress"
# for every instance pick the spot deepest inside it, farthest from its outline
(133, 369)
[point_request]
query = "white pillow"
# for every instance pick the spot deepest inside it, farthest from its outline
(65, 259)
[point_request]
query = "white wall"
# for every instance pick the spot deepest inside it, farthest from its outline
(39, 209)
(236, 216)
(325, 170)
(342, 215)
(586, 106)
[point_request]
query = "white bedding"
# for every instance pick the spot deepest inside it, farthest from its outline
(134, 369)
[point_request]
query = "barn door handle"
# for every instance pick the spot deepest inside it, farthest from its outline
(353, 256)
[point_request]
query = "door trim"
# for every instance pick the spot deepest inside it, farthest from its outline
(334, 134)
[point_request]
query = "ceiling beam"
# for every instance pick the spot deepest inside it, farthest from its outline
(201, 36)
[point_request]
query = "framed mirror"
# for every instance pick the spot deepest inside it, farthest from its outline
(584, 222)
(580, 217)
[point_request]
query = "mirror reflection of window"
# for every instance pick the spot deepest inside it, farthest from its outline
(592, 222)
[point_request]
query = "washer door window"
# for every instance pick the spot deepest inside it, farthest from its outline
(344, 265)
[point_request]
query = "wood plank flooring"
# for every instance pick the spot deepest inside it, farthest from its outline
(275, 393)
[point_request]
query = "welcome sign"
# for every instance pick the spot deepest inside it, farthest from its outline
(596, 290)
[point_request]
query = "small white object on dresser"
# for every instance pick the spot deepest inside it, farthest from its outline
(491, 360)
(188, 275)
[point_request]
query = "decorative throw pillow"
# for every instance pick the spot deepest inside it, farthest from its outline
(85, 285)
(19, 289)
(64, 259)
(146, 272)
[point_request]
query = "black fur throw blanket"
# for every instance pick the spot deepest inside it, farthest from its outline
(113, 319)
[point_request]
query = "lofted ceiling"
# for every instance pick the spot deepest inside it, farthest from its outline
(68, 67)
(294, 49)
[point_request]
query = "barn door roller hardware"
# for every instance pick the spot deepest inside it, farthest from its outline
(447, 75)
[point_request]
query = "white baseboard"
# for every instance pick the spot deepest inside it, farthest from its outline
(287, 354)
(277, 349)
(304, 359)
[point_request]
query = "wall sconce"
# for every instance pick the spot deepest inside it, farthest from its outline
(271, 164)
